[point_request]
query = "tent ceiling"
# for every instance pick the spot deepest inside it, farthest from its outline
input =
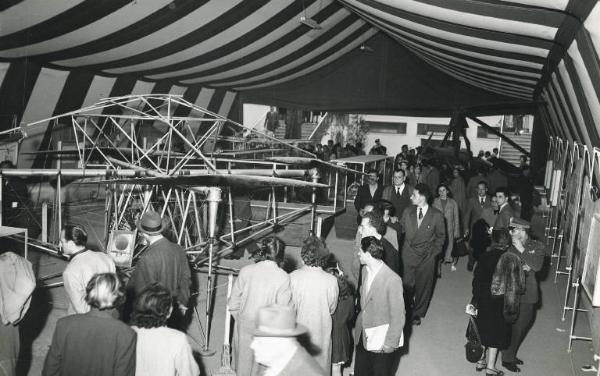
(502, 52)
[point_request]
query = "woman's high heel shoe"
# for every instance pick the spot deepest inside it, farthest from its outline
(480, 365)
(493, 372)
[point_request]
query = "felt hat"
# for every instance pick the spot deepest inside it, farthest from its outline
(278, 321)
(151, 223)
(518, 223)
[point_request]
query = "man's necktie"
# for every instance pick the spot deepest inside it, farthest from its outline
(398, 191)
(482, 201)
(420, 214)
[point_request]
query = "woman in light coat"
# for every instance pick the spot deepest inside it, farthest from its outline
(315, 296)
(258, 285)
(449, 208)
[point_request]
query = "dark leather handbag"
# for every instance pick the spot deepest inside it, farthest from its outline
(460, 248)
(473, 348)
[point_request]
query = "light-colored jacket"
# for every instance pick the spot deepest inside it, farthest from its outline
(78, 273)
(16, 286)
(451, 215)
(381, 304)
(258, 285)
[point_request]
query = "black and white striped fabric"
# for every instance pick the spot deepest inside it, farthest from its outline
(57, 56)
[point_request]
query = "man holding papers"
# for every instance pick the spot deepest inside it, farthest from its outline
(380, 322)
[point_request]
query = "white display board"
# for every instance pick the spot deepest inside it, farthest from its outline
(591, 273)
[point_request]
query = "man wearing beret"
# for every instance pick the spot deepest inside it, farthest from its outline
(532, 253)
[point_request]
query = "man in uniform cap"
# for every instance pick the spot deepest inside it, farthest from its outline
(532, 253)
(275, 345)
(164, 262)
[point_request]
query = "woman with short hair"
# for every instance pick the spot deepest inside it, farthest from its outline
(161, 351)
(258, 285)
(94, 343)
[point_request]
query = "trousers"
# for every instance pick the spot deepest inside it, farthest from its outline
(519, 331)
(368, 363)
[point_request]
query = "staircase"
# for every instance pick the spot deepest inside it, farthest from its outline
(511, 154)
(307, 129)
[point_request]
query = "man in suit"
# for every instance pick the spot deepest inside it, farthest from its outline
(474, 209)
(505, 212)
(381, 304)
(368, 193)
(275, 345)
(475, 206)
(399, 195)
(424, 236)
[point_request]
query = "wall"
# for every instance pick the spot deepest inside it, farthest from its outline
(394, 141)
(254, 115)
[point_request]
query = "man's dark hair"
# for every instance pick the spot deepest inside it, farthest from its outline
(372, 171)
(400, 170)
(483, 182)
(271, 249)
(424, 190)
(77, 234)
(152, 307)
(372, 245)
(376, 220)
(503, 190)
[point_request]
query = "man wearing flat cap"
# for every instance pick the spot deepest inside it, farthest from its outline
(531, 253)
(163, 262)
(275, 345)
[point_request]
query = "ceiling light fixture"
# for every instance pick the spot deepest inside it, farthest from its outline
(310, 23)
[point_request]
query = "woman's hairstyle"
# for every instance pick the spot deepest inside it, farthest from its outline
(449, 192)
(314, 252)
(509, 280)
(152, 307)
(104, 291)
(501, 238)
(76, 233)
(383, 205)
(376, 220)
(271, 249)
(344, 286)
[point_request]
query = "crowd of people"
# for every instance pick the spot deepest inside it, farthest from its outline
(302, 322)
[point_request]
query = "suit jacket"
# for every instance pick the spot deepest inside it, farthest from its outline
(363, 196)
(504, 215)
(166, 263)
(474, 209)
(94, 344)
(427, 239)
(382, 304)
(400, 202)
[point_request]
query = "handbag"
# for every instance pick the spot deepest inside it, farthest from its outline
(460, 248)
(473, 347)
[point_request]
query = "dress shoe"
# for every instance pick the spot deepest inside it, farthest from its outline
(518, 361)
(416, 321)
(511, 366)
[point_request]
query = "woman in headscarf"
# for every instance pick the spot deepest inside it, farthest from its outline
(258, 285)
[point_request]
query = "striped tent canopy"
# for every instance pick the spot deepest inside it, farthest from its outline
(410, 56)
